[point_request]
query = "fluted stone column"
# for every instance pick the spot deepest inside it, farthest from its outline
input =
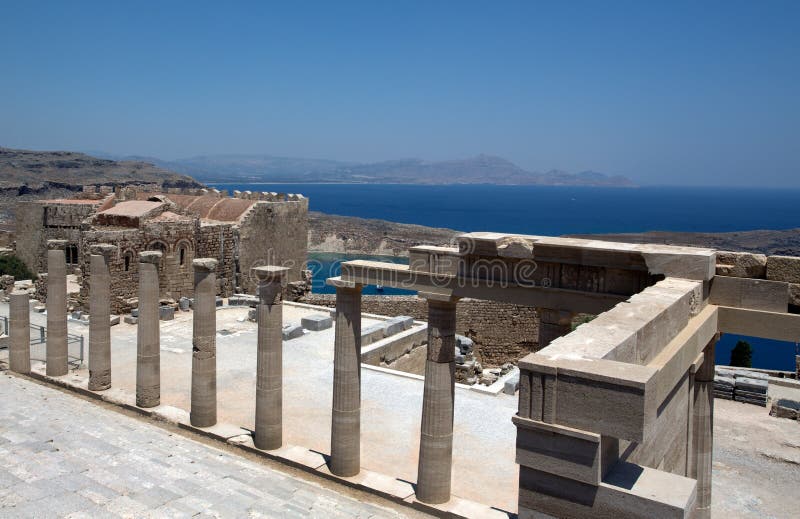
(19, 351)
(56, 308)
(99, 317)
(703, 430)
(553, 324)
(204, 344)
(436, 438)
(148, 339)
(346, 412)
(269, 361)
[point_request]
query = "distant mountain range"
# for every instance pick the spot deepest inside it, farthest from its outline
(482, 169)
(27, 170)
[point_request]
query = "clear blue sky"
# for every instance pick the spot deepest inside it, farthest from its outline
(669, 93)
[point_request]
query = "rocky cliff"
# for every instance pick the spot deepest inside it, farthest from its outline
(345, 234)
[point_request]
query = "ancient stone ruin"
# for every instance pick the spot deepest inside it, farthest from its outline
(240, 232)
(614, 418)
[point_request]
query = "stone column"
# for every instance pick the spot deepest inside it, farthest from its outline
(204, 344)
(99, 317)
(553, 324)
(19, 351)
(346, 415)
(148, 340)
(56, 308)
(436, 438)
(269, 360)
(703, 430)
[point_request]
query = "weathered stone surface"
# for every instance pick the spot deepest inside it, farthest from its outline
(19, 348)
(346, 405)
(204, 346)
(316, 322)
(436, 435)
(291, 331)
(794, 294)
(56, 309)
(511, 385)
(129, 319)
(148, 335)
(166, 313)
(741, 264)
(783, 268)
(268, 432)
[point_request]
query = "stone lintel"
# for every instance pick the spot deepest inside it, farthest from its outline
(204, 264)
(759, 323)
(756, 294)
(150, 256)
(56, 244)
(268, 272)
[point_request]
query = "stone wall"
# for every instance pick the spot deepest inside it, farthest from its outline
(270, 234)
(760, 266)
(501, 332)
(220, 241)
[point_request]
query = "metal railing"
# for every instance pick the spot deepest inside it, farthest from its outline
(75, 343)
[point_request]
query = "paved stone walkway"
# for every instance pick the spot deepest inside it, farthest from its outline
(61, 456)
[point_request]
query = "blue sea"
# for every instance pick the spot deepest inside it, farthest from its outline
(557, 210)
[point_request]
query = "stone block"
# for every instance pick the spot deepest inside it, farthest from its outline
(564, 452)
(184, 304)
(166, 313)
(752, 385)
(316, 322)
(794, 294)
(511, 385)
(219, 301)
(39, 309)
(783, 268)
(392, 327)
(113, 320)
(292, 331)
(135, 312)
(372, 334)
(465, 344)
(756, 294)
(779, 411)
(129, 319)
(252, 315)
(741, 264)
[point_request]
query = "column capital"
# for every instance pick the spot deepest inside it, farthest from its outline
(266, 273)
(439, 298)
(103, 249)
(150, 256)
(56, 244)
(338, 283)
(204, 264)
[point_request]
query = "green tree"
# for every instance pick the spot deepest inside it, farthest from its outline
(13, 266)
(742, 355)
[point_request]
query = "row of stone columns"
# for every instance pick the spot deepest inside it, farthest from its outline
(436, 434)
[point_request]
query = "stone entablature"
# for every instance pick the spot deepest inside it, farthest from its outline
(614, 418)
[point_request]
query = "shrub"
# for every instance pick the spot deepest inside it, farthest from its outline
(13, 266)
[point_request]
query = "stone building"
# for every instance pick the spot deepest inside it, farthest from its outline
(241, 232)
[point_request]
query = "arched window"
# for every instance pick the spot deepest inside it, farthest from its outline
(183, 256)
(128, 259)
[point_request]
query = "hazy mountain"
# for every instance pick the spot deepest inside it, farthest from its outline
(29, 169)
(482, 169)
